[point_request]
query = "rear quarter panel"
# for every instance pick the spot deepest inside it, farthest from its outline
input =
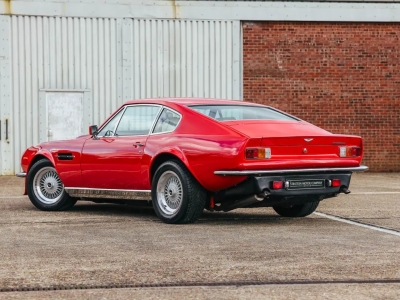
(204, 146)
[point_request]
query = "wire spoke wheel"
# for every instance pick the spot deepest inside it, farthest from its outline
(177, 197)
(47, 186)
(169, 193)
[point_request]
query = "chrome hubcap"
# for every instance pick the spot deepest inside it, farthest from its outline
(169, 193)
(47, 186)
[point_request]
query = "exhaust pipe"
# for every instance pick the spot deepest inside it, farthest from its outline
(244, 202)
(345, 190)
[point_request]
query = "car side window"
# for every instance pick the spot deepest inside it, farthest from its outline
(167, 121)
(137, 120)
(109, 128)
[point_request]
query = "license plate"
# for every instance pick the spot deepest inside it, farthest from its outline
(306, 184)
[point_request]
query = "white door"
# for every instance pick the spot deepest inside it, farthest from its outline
(64, 115)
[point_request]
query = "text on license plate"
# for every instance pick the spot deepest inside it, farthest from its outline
(307, 184)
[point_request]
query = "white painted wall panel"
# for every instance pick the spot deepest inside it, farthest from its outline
(6, 163)
(181, 58)
(314, 10)
(58, 53)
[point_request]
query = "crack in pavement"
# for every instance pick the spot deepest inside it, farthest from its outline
(68, 222)
(196, 284)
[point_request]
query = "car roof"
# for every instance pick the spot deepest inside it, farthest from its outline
(192, 101)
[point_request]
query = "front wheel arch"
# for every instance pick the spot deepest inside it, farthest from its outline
(45, 188)
(40, 156)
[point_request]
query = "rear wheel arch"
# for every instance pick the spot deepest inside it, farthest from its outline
(164, 157)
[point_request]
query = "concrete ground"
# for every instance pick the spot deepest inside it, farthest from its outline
(99, 251)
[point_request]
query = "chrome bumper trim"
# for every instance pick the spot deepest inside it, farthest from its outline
(21, 174)
(290, 171)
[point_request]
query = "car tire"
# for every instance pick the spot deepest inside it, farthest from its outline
(45, 188)
(176, 195)
(297, 211)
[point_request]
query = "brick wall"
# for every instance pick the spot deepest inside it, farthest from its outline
(343, 77)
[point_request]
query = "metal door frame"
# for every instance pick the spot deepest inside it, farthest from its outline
(43, 113)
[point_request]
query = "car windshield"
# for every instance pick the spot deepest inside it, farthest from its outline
(241, 112)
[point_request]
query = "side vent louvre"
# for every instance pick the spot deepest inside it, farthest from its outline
(65, 156)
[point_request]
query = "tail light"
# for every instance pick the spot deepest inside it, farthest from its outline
(277, 185)
(258, 153)
(349, 151)
(333, 182)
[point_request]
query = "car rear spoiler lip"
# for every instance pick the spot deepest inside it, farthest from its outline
(289, 171)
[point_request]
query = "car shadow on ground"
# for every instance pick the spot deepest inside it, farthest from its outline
(242, 217)
(105, 209)
(147, 212)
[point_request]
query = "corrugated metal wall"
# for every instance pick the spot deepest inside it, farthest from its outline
(6, 146)
(113, 60)
(60, 53)
(181, 58)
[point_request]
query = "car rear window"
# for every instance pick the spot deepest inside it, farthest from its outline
(241, 112)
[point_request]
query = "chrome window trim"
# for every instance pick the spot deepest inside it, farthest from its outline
(117, 124)
(151, 127)
(174, 111)
(265, 106)
(156, 120)
(124, 108)
(100, 129)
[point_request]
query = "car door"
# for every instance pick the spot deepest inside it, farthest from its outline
(112, 159)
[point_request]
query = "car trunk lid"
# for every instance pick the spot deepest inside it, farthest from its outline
(271, 128)
(294, 139)
(306, 146)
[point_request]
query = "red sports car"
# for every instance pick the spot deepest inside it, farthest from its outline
(187, 155)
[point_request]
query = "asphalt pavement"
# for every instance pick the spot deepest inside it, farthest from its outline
(349, 249)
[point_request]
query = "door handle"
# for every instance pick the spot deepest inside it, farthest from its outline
(138, 144)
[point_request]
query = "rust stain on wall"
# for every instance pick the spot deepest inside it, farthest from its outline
(175, 10)
(64, 9)
(7, 7)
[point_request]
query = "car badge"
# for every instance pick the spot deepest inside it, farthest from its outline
(308, 140)
(304, 150)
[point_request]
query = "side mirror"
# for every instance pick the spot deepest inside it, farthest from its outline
(93, 130)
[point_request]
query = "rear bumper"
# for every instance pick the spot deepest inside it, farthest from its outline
(290, 171)
(21, 174)
(262, 186)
